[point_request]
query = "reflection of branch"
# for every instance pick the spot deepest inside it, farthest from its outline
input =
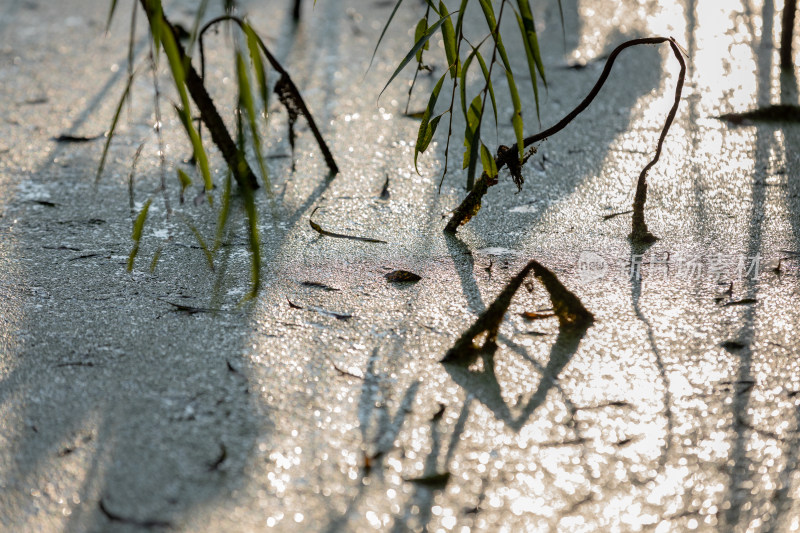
(509, 156)
(568, 308)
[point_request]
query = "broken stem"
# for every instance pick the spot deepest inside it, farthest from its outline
(508, 156)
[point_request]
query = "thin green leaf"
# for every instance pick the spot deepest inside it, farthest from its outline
(529, 35)
(113, 127)
(428, 127)
(246, 99)
(485, 71)
(422, 27)
(383, 32)
(255, 243)
(258, 66)
(449, 37)
(222, 219)
(472, 137)
(425, 136)
(488, 162)
(201, 10)
(156, 25)
(178, 75)
(476, 53)
(185, 180)
(156, 257)
(531, 63)
(460, 20)
(516, 118)
(413, 52)
(138, 226)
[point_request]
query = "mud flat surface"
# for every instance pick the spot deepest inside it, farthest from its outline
(154, 401)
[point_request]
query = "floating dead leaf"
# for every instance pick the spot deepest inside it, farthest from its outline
(316, 227)
(732, 346)
(743, 301)
(403, 276)
(189, 309)
(67, 138)
(45, 203)
(432, 481)
(530, 315)
(293, 305)
(318, 285)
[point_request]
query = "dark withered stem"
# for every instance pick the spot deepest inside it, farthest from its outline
(285, 89)
(787, 31)
(508, 155)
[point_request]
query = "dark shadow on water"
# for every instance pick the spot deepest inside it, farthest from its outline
(483, 385)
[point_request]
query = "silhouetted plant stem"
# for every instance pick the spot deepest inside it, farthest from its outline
(296, 10)
(508, 156)
(285, 88)
(787, 31)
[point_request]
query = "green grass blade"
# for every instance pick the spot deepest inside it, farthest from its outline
(255, 242)
(413, 52)
(258, 67)
(477, 54)
(246, 99)
(460, 20)
(185, 181)
(488, 162)
(427, 127)
(485, 71)
(422, 27)
(531, 63)
(528, 31)
(472, 137)
(201, 10)
(178, 75)
(516, 118)
(383, 32)
(224, 211)
(113, 127)
(138, 227)
(156, 25)
(463, 85)
(156, 257)
(449, 37)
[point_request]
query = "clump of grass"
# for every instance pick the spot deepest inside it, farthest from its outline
(191, 89)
